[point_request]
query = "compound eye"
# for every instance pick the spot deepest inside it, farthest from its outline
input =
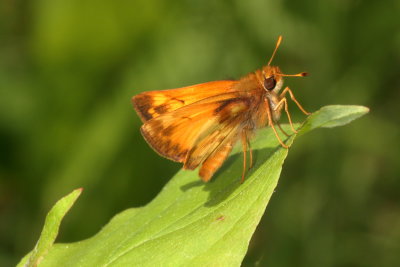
(269, 83)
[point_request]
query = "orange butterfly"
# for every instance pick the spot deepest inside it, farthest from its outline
(199, 124)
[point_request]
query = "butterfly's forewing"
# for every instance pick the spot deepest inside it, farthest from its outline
(154, 103)
(176, 133)
(173, 134)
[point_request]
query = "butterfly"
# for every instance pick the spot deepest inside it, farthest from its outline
(198, 125)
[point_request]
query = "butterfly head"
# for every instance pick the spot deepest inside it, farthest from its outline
(272, 80)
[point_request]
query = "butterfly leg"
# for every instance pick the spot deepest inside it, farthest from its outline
(283, 102)
(251, 156)
(271, 123)
(244, 148)
(287, 89)
(283, 131)
(250, 151)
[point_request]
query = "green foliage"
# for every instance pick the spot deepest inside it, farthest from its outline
(51, 227)
(333, 116)
(189, 223)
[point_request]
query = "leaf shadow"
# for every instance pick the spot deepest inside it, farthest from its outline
(228, 178)
(190, 185)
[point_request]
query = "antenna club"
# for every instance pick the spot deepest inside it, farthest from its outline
(304, 74)
(279, 40)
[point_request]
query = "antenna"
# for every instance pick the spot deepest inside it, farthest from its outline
(301, 74)
(278, 43)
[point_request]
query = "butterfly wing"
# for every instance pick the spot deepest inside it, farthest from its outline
(230, 120)
(192, 132)
(154, 103)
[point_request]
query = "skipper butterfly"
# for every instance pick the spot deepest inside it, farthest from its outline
(199, 124)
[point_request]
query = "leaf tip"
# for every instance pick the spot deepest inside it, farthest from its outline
(80, 189)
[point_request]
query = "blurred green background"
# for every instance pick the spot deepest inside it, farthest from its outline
(68, 69)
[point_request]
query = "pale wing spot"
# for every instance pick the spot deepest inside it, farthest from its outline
(159, 99)
(238, 108)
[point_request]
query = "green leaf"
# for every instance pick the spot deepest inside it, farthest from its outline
(333, 116)
(51, 226)
(192, 223)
